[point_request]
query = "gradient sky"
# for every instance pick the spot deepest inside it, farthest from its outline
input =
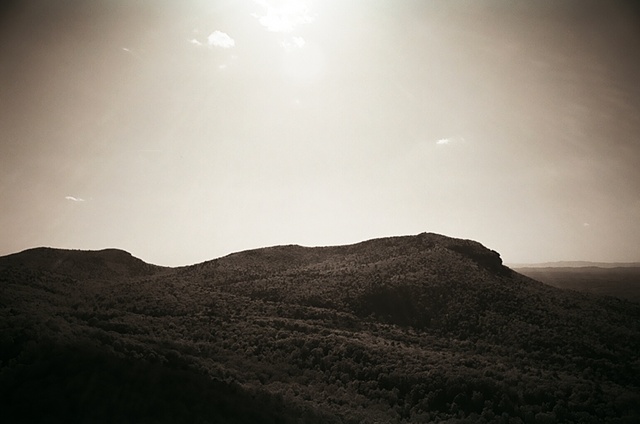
(182, 131)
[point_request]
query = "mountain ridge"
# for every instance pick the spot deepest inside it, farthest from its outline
(59, 259)
(472, 249)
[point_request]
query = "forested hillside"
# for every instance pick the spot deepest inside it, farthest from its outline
(420, 328)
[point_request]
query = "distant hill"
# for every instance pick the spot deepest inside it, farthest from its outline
(421, 328)
(102, 264)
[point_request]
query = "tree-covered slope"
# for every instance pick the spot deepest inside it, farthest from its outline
(404, 329)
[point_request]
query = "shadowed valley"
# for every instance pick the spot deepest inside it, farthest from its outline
(421, 328)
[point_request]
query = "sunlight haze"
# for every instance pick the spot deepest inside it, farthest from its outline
(184, 131)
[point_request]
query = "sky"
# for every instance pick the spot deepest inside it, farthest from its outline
(182, 131)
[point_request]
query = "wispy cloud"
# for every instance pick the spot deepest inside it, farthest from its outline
(449, 140)
(220, 39)
(195, 42)
(74, 199)
(131, 52)
(284, 18)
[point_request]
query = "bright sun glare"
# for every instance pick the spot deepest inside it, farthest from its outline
(284, 16)
(302, 60)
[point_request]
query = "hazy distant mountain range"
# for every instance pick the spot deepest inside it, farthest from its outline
(576, 264)
(621, 280)
(421, 328)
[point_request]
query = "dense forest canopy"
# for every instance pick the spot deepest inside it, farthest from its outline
(421, 328)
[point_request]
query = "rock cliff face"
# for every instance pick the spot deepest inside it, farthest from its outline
(485, 258)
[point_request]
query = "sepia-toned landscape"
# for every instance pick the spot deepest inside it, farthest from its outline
(320, 211)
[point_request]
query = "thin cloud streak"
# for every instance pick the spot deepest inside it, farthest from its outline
(131, 52)
(449, 140)
(74, 199)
